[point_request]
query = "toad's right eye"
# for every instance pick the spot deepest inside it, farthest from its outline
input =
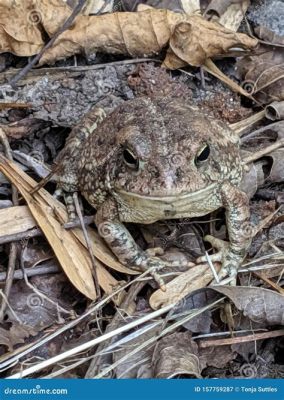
(130, 159)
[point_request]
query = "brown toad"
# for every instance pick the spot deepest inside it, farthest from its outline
(155, 159)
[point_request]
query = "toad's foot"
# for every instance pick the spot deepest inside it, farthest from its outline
(130, 254)
(229, 258)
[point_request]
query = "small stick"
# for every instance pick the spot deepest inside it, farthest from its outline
(13, 246)
(44, 181)
(66, 25)
(42, 270)
(76, 223)
(15, 237)
(263, 152)
(241, 339)
(78, 211)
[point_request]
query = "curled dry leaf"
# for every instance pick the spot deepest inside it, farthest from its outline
(258, 304)
(187, 6)
(263, 74)
(193, 279)
(218, 8)
(20, 24)
(276, 174)
(192, 39)
(275, 111)
(176, 354)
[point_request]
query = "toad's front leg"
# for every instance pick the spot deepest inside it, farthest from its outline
(124, 246)
(232, 254)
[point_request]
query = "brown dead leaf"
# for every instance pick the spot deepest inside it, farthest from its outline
(218, 356)
(263, 74)
(260, 305)
(276, 173)
(192, 39)
(24, 127)
(15, 220)
(275, 111)
(176, 354)
(137, 365)
(218, 8)
(18, 35)
(195, 278)
(69, 246)
(195, 40)
(15, 335)
(269, 36)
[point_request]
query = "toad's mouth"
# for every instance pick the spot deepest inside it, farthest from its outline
(169, 199)
(134, 207)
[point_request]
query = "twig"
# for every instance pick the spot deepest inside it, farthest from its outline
(13, 246)
(241, 339)
(42, 270)
(77, 223)
(255, 156)
(88, 243)
(65, 26)
(15, 237)
(274, 126)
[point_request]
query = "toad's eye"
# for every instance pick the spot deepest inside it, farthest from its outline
(202, 154)
(130, 159)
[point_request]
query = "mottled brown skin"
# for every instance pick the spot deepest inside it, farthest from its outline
(157, 159)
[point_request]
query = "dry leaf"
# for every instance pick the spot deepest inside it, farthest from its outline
(263, 74)
(15, 220)
(195, 278)
(194, 40)
(276, 174)
(69, 246)
(176, 354)
(137, 34)
(275, 111)
(73, 258)
(138, 365)
(260, 305)
(15, 335)
(218, 356)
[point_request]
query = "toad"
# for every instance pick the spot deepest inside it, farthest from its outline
(156, 159)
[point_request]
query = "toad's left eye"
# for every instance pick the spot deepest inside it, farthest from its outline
(202, 154)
